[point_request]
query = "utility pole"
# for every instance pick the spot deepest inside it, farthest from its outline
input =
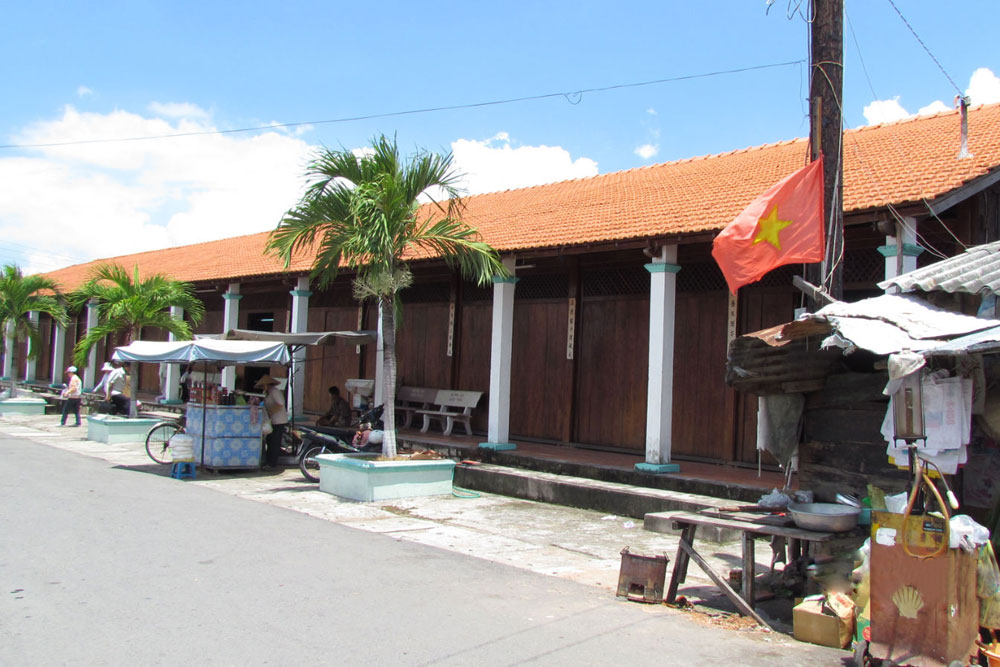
(826, 84)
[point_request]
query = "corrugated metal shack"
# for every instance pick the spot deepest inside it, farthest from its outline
(837, 357)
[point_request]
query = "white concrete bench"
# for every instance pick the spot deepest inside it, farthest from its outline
(411, 399)
(450, 406)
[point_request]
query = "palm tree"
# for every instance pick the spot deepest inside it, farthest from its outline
(362, 211)
(127, 303)
(20, 295)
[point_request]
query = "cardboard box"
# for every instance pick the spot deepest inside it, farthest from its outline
(818, 620)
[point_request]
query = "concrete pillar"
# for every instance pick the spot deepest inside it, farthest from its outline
(8, 352)
(300, 324)
(660, 392)
(898, 262)
(498, 430)
(59, 354)
(90, 372)
(172, 378)
(231, 320)
(31, 364)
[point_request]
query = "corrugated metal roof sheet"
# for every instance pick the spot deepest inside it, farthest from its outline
(807, 349)
(975, 271)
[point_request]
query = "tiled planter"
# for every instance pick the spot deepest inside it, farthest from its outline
(360, 477)
(113, 429)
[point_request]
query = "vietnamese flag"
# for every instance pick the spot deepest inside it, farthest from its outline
(782, 226)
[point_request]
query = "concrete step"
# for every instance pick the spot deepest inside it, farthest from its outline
(611, 497)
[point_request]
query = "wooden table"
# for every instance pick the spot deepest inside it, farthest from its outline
(688, 522)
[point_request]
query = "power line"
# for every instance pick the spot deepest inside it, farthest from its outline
(573, 97)
(907, 23)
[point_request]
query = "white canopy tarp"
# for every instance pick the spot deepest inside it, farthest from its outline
(204, 349)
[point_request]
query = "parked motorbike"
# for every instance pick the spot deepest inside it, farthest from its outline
(339, 440)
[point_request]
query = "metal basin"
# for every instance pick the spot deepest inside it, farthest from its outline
(824, 517)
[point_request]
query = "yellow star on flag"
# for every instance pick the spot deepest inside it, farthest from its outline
(769, 227)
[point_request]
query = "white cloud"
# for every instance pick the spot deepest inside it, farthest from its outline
(647, 151)
(83, 91)
(179, 110)
(66, 204)
(885, 111)
(984, 87)
(493, 165)
(937, 106)
(651, 111)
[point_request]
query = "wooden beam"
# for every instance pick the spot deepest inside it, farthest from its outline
(724, 586)
(817, 294)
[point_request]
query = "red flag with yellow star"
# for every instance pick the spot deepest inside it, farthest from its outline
(782, 226)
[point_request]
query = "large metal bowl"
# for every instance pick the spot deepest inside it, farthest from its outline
(824, 517)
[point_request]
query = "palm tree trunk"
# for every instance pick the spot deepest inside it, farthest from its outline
(389, 375)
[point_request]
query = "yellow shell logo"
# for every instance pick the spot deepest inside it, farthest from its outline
(908, 601)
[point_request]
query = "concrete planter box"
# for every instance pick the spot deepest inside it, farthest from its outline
(23, 406)
(360, 477)
(114, 429)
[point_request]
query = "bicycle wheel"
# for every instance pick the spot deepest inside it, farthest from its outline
(308, 464)
(158, 441)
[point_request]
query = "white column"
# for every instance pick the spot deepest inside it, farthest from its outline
(172, 391)
(31, 365)
(660, 390)
(58, 354)
(894, 266)
(498, 429)
(8, 352)
(231, 320)
(300, 324)
(90, 372)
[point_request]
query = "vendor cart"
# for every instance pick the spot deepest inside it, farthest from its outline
(224, 436)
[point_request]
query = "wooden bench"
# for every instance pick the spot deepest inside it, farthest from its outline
(447, 405)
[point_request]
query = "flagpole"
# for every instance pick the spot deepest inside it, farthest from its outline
(826, 130)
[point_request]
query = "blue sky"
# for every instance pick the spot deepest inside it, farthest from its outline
(77, 71)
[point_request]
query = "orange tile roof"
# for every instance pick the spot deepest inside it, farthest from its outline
(895, 163)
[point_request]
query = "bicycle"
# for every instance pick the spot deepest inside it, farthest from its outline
(158, 440)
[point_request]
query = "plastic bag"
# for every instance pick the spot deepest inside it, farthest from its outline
(896, 503)
(774, 499)
(964, 532)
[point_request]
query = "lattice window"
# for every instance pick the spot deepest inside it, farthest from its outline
(864, 265)
(704, 277)
(781, 276)
(473, 292)
(427, 293)
(616, 281)
(544, 286)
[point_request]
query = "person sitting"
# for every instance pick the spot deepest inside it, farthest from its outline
(339, 413)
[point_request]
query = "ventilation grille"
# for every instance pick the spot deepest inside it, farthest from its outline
(704, 277)
(472, 292)
(865, 266)
(545, 286)
(616, 282)
(427, 293)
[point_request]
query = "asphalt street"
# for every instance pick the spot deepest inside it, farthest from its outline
(106, 563)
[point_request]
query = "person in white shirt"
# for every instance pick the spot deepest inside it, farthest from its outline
(113, 383)
(274, 403)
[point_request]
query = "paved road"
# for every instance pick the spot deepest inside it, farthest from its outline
(107, 565)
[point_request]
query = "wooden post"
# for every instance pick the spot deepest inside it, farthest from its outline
(826, 95)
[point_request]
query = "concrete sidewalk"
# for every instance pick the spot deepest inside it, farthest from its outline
(581, 545)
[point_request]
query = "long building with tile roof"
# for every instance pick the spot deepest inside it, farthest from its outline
(907, 164)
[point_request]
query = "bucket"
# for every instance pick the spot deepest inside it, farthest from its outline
(992, 653)
(182, 447)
